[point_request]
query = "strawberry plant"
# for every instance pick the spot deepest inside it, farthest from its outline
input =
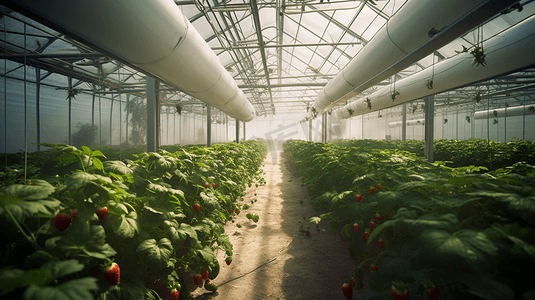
(139, 213)
(429, 207)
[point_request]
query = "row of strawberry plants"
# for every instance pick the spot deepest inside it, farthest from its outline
(479, 152)
(123, 230)
(424, 229)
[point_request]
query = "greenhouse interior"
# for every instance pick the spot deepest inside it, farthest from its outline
(171, 116)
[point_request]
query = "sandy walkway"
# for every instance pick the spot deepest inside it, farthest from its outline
(289, 264)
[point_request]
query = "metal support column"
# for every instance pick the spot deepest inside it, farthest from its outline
(310, 130)
(152, 114)
(69, 82)
(237, 131)
(323, 127)
(244, 131)
(111, 117)
(37, 105)
(208, 125)
(429, 126)
(404, 123)
(472, 125)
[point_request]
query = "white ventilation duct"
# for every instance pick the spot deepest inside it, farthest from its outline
(505, 112)
(409, 122)
(507, 52)
(405, 39)
(152, 36)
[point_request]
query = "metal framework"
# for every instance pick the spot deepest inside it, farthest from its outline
(281, 53)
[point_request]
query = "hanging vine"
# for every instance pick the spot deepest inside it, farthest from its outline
(479, 52)
(350, 111)
(369, 102)
(178, 108)
(430, 82)
(468, 119)
(477, 96)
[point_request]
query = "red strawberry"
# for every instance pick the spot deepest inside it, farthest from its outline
(366, 235)
(399, 291)
(347, 290)
(371, 225)
(62, 222)
(213, 185)
(381, 243)
(197, 279)
(378, 187)
(197, 207)
(462, 270)
(174, 294)
(382, 217)
(205, 275)
(372, 191)
(359, 198)
(433, 293)
(102, 212)
(112, 274)
(377, 217)
(356, 227)
(206, 185)
(232, 211)
(373, 267)
(29, 183)
(352, 282)
(228, 260)
(74, 213)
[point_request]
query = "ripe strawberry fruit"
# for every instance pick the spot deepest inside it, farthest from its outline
(174, 294)
(381, 243)
(112, 274)
(372, 191)
(352, 282)
(74, 213)
(377, 217)
(205, 275)
(356, 227)
(206, 185)
(62, 222)
(372, 225)
(366, 235)
(373, 267)
(213, 185)
(399, 291)
(197, 207)
(462, 270)
(382, 217)
(228, 260)
(347, 290)
(433, 293)
(378, 187)
(359, 198)
(197, 279)
(102, 212)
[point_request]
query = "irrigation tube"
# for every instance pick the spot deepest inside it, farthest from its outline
(152, 36)
(415, 31)
(507, 52)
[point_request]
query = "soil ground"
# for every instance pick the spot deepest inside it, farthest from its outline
(272, 258)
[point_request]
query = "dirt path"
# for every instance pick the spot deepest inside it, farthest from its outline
(287, 264)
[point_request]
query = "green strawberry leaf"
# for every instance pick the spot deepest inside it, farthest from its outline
(467, 248)
(124, 225)
(39, 189)
(117, 166)
(156, 253)
(485, 287)
(86, 240)
(73, 289)
(21, 209)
